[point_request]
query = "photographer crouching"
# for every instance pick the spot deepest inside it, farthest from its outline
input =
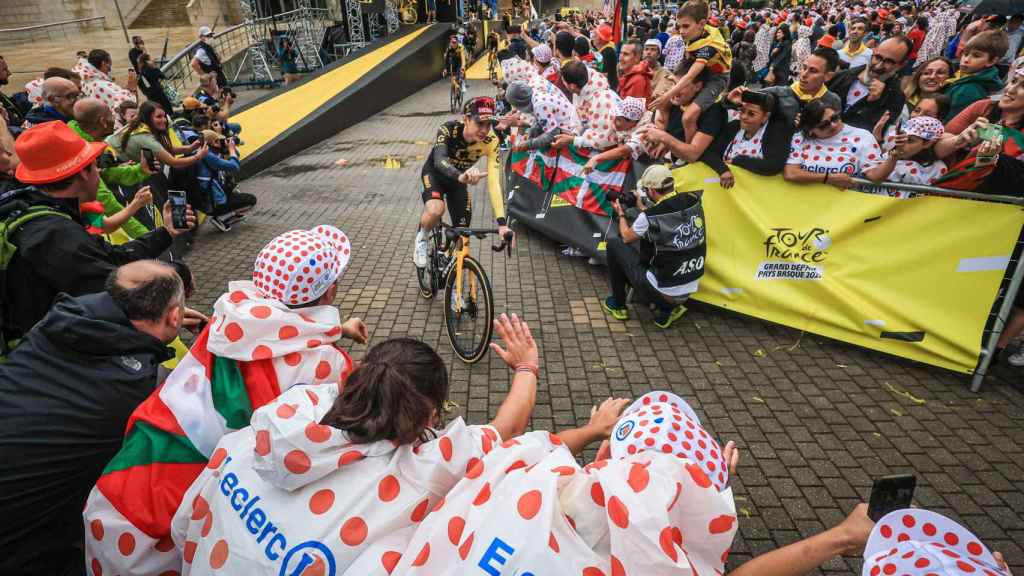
(667, 262)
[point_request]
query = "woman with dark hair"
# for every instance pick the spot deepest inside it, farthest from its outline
(757, 140)
(780, 59)
(150, 130)
(151, 82)
(828, 151)
(336, 480)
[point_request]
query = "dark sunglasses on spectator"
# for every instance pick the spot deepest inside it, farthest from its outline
(828, 123)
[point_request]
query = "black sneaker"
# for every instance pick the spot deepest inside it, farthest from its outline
(219, 224)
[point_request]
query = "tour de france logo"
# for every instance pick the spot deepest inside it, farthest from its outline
(792, 254)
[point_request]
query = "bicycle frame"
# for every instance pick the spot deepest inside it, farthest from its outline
(456, 249)
(456, 255)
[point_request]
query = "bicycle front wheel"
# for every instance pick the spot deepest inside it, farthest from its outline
(469, 311)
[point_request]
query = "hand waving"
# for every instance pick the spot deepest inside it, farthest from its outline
(519, 345)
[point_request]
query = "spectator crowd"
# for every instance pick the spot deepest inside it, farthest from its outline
(267, 449)
(865, 97)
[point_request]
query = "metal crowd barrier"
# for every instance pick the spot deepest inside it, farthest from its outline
(1010, 285)
(178, 70)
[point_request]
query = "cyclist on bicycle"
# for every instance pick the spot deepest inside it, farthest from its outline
(454, 59)
(447, 173)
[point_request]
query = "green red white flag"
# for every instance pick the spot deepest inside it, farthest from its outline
(562, 172)
(252, 350)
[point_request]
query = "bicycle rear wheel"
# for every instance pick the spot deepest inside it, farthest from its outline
(469, 320)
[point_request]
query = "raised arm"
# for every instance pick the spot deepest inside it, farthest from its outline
(801, 557)
(521, 354)
(602, 420)
(494, 179)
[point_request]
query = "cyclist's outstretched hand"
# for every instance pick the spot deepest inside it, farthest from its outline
(520, 347)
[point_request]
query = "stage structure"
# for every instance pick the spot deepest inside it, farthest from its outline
(367, 20)
(305, 25)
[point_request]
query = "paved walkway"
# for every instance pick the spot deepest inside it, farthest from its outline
(816, 420)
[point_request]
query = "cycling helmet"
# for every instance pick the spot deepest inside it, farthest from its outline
(480, 109)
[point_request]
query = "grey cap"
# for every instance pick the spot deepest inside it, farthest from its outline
(520, 95)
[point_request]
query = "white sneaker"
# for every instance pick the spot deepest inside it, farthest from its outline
(419, 251)
(1016, 359)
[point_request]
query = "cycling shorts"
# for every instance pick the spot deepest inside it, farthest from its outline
(452, 192)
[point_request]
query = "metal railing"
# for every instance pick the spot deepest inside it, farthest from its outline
(51, 31)
(178, 70)
(227, 43)
(1010, 285)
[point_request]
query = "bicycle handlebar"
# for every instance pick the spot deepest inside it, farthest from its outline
(453, 232)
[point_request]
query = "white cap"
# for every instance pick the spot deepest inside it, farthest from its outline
(205, 31)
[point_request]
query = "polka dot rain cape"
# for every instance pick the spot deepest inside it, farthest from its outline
(528, 507)
(289, 490)
(269, 348)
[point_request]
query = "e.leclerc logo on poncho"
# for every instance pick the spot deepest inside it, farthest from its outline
(259, 524)
(792, 254)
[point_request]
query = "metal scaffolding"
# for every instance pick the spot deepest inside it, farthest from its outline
(257, 32)
(307, 28)
(354, 15)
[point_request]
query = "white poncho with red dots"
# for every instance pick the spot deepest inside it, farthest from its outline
(291, 496)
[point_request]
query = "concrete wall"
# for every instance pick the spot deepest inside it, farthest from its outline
(206, 12)
(17, 13)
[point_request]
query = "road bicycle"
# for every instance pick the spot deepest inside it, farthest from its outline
(468, 301)
(458, 89)
(492, 64)
(407, 12)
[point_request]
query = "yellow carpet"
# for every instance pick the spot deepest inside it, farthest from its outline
(478, 71)
(271, 118)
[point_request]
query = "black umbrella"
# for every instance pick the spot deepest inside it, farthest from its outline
(1004, 7)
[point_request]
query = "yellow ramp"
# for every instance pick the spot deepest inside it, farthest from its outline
(269, 119)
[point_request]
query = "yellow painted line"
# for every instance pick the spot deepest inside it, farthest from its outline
(271, 118)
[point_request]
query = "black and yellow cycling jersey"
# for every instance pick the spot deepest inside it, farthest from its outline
(454, 58)
(452, 155)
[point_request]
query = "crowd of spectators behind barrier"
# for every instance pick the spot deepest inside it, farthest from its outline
(822, 92)
(818, 93)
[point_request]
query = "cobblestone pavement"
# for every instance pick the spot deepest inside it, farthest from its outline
(816, 420)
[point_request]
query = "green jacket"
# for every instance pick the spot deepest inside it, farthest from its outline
(970, 89)
(125, 175)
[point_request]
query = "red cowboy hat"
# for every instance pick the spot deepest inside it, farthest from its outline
(51, 152)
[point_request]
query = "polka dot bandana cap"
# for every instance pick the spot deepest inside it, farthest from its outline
(664, 422)
(631, 108)
(299, 266)
(542, 53)
(922, 543)
(924, 127)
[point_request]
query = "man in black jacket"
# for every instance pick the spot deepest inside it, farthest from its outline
(54, 252)
(868, 92)
(65, 397)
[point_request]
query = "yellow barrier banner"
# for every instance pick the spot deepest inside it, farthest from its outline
(916, 278)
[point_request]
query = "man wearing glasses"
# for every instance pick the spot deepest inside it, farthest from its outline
(871, 93)
(59, 97)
